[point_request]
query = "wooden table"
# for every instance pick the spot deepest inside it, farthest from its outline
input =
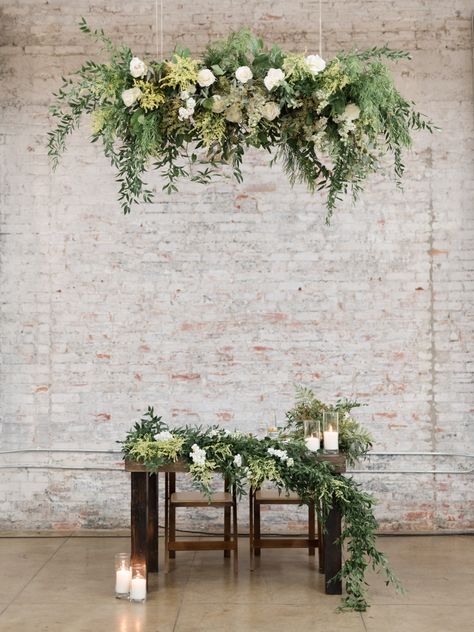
(144, 519)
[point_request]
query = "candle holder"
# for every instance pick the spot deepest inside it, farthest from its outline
(331, 432)
(122, 575)
(312, 434)
(138, 582)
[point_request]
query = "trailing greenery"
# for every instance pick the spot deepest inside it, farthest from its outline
(331, 124)
(247, 460)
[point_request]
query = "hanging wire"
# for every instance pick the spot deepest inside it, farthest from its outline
(159, 30)
(320, 29)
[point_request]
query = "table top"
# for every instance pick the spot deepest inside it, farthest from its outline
(337, 460)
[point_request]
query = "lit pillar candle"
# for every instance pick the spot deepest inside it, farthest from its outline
(331, 440)
(313, 443)
(122, 581)
(138, 589)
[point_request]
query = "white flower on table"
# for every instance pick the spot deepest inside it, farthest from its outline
(138, 68)
(190, 103)
(238, 460)
(281, 454)
(205, 77)
(243, 74)
(290, 461)
(273, 78)
(164, 435)
(316, 63)
(198, 455)
(183, 95)
(130, 96)
(270, 110)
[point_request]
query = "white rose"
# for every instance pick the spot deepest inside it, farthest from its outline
(130, 96)
(270, 110)
(273, 78)
(190, 103)
(351, 112)
(205, 77)
(184, 95)
(218, 104)
(315, 63)
(243, 74)
(137, 67)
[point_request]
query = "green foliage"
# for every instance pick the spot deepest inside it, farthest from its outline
(243, 459)
(319, 144)
(354, 440)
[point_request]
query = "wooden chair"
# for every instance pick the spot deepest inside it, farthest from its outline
(258, 541)
(226, 500)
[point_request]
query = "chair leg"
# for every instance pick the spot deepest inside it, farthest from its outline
(320, 547)
(256, 526)
(311, 526)
(235, 530)
(167, 508)
(227, 513)
(251, 534)
(172, 535)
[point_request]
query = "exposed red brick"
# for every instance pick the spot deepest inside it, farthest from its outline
(435, 251)
(387, 415)
(103, 356)
(225, 415)
(186, 376)
(258, 348)
(103, 416)
(42, 389)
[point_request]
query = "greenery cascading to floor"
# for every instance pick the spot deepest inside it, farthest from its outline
(285, 461)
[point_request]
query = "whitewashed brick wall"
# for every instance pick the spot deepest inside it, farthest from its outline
(212, 303)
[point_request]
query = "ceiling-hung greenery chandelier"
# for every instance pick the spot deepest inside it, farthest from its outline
(331, 124)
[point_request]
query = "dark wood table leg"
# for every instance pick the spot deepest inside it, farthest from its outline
(251, 533)
(333, 551)
(152, 526)
(138, 518)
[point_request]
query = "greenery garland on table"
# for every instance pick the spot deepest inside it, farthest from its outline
(285, 461)
(332, 124)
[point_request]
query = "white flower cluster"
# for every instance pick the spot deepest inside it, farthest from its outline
(316, 63)
(188, 110)
(238, 460)
(273, 78)
(205, 77)
(282, 455)
(243, 74)
(130, 96)
(198, 455)
(138, 68)
(164, 435)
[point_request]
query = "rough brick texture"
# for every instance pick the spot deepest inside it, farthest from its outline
(212, 303)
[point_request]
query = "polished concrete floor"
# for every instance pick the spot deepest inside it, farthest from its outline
(65, 584)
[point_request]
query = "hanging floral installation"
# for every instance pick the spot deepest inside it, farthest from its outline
(330, 123)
